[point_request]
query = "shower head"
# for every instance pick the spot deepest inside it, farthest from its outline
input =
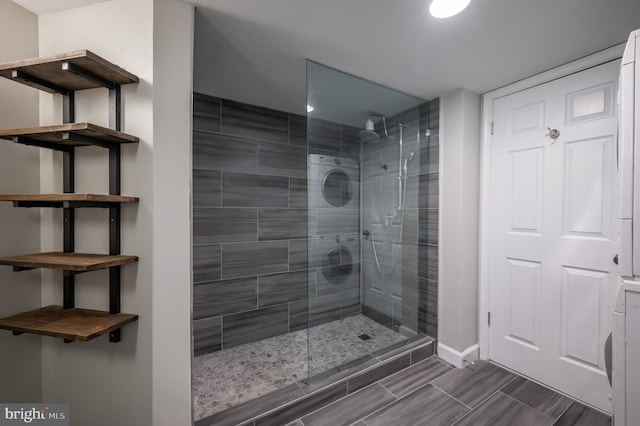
(367, 136)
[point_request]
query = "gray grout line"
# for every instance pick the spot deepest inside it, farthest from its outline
(565, 410)
(449, 395)
(528, 406)
(483, 401)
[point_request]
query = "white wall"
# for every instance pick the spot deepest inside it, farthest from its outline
(173, 70)
(19, 173)
(144, 379)
(459, 226)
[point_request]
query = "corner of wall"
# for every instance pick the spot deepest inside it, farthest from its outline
(459, 228)
(172, 163)
(21, 366)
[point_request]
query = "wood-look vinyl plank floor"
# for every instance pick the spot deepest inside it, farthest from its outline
(433, 393)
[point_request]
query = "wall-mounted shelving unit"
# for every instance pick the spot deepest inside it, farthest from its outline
(65, 74)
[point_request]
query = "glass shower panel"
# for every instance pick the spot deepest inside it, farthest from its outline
(363, 203)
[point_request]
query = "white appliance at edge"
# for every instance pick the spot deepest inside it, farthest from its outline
(626, 315)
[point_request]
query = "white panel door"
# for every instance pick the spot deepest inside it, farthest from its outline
(553, 232)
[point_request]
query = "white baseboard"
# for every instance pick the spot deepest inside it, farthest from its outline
(458, 358)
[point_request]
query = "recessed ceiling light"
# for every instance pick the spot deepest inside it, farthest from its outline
(309, 108)
(447, 8)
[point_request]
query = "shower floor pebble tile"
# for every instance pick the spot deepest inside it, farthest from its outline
(230, 377)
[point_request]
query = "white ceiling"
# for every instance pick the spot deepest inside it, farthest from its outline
(41, 7)
(254, 50)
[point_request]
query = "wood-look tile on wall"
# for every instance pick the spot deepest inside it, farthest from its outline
(206, 113)
(430, 155)
(377, 308)
(224, 297)
(223, 225)
(297, 193)
(207, 335)
(298, 255)
(254, 122)
(283, 224)
(427, 405)
(428, 226)
(432, 308)
(350, 303)
(338, 221)
(298, 139)
(255, 325)
(350, 140)
(434, 116)
(324, 309)
(410, 225)
(298, 316)
(429, 191)
(250, 259)
(323, 135)
(212, 151)
(339, 278)
(297, 123)
(350, 409)
(413, 194)
(298, 131)
(249, 190)
(282, 288)
(282, 160)
(206, 263)
(207, 188)
(428, 264)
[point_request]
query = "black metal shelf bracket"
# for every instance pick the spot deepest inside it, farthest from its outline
(115, 187)
(25, 140)
(87, 75)
(64, 204)
(88, 140)
(38, 83)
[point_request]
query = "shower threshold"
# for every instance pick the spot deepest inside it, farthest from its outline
(253, 380)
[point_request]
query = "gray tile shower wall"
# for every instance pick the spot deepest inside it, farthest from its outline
(404, 295)
(251, 224)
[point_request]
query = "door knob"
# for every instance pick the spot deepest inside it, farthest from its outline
(615, 259)
(553, 133)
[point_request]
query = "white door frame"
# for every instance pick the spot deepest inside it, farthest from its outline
(488, 98)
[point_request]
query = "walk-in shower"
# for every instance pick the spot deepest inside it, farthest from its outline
(314, 240)
(388, 289)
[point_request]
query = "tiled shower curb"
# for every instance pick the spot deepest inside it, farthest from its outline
(294, 401)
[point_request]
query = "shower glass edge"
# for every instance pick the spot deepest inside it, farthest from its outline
(362, 193)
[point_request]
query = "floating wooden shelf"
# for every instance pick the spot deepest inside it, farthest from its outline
(49, 71)
(77, 262)
(66, 200)
(68, 135)
(64, 74)
(68, 324)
